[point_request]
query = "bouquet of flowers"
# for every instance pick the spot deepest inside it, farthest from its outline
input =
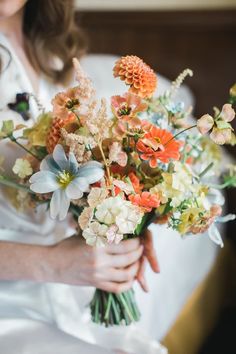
(117, 168)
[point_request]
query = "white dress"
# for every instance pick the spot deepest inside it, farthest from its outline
(54, 318)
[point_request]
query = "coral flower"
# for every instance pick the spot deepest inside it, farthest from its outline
(158, 144)
(135, 182)
(145, 200)
(137, 74)
(126, 107)
(65, 102)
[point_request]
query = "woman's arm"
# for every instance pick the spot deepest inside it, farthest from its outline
(111, 268)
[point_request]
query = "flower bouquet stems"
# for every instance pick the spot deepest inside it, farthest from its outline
(114, 309)
(119, 309)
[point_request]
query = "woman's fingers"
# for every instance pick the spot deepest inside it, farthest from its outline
(125, 260)
(149, 251)
(124, 246)
(141, 275)
(123, 274)
(114, 287)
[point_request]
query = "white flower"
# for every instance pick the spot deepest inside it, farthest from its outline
(85, 217)
(96, 196)
(63, 177)
(129, 218)
(109, 209)
(215, 236)
(113, 234)
(95, 234)
(123, 213)
(22, 168)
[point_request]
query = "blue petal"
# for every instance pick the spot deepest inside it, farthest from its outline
(48, 164)
(60, 158)
(73, 163)
(73, 190)
(64, 206)
(44, 182)
(41, 176)
(92, 171)
(59, 205)
(55, 204)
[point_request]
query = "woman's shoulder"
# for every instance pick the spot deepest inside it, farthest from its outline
(99, 67)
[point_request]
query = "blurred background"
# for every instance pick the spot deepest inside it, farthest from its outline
(171, 35)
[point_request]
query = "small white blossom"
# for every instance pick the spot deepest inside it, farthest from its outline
(120, 212)
(96, 196)
(85, 217)
(22, 168)
(95, 234)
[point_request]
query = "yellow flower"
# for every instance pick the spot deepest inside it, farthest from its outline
(37, 135)
(22, 168)
(232, 91)
(175, 186)
(188, 218)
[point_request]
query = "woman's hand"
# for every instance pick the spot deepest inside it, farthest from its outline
(112, 268)
(149, 254)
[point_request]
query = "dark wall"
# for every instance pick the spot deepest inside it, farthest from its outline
(204, 41)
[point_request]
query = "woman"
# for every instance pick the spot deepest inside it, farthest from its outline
(37, 259)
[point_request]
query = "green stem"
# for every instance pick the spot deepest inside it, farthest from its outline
(220, 186)
(14, 140)
(108, 307)
(182, 131)
(115, 311)
(126, 307)
(96, 315)
(8, 182)
(206, 170)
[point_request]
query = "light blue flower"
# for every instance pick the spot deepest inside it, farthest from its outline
(63, 177)
(175, 108)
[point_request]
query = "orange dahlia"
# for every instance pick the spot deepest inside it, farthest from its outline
(54, 134)
(158, 144)
(137, 74)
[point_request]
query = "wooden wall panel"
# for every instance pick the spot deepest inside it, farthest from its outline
(205, 41)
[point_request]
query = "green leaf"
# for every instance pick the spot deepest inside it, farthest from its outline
(7, 127)
(222, 124)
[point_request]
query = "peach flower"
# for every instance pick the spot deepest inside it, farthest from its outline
(219, 127)
(137, 74)
(65, 102)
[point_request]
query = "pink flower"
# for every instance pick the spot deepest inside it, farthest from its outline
(205, 124)
(116, 154)
(219, 127)
(126, 107)
(65, 102)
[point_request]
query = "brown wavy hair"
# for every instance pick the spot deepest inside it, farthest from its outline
(51, 32)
